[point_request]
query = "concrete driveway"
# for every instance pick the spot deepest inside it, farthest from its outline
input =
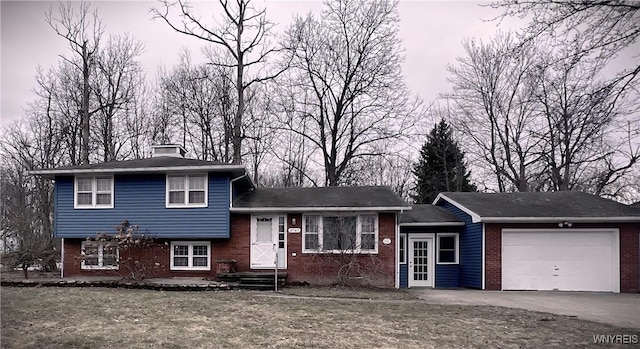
(618, 309)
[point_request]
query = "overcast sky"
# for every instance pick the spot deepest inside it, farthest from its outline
(431, 33)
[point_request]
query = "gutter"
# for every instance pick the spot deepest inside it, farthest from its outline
(432, 224)
(622, 219)
(212, 168)
(317, 209)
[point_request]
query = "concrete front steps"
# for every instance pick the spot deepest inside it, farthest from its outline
(250, 280)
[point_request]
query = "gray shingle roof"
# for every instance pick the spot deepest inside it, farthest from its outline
(428, 214)
(543, 205)
(322, 198)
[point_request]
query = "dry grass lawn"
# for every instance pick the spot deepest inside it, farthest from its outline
(125, 318)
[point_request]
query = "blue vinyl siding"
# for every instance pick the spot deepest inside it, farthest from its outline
(470, 268)
(140, 199)
(404, 276)
(447, 275)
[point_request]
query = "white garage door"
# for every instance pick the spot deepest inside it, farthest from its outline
(566, 260)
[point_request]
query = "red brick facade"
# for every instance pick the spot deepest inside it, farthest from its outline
(313, 268)
(629, 252)
(319, 268)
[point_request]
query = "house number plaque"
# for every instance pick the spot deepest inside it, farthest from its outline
(294, 230)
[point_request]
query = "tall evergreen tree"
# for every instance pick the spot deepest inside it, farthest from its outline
(441, 166)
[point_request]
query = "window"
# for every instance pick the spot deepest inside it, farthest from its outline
(311, 229)
(190, 255)
(93, 192)
(99, 255)
(448, 248)
(264, 230)
(368, 232)
(187, 191)
(340, 233)
(402, 248)
(281, 232)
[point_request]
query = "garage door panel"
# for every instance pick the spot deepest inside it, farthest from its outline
(560, 260)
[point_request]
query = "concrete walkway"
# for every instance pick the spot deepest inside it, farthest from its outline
(618, 309)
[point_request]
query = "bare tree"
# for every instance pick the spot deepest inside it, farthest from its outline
(83, 32)
(116, 84)
(580, 113)
(493, 91)
(349, 88)
(198, 107)
(601, 28)
(588, 39)
(545, 119)
(27, 201)
(243, 33)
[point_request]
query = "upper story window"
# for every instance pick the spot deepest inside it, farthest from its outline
(187, 190)
(93, 192)
(336, 234)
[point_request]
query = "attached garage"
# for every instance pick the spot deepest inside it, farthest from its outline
(565, 241)
(564, 260)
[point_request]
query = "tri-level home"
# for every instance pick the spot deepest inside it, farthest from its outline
(204, 213)
(207, 218)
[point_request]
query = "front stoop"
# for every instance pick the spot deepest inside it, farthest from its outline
(253, 280)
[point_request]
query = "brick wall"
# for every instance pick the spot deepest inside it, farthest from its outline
(156, 259)
(319, 268)
(314, 268)
(629, 252)
(238, 246)
(629, 258)
(493, 257)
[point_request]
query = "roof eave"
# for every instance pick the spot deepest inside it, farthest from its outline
(432, 224)
(208, 168)
(619, 219)
(475, 218)
(319, 209)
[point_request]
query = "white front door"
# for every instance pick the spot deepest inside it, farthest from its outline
(267, 238)
(421, 262)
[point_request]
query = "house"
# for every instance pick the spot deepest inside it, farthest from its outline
(541, 241)
(202, 215)
(207, 218)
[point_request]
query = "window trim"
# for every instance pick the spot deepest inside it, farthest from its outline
(100, 265)
(190, 255)
(456, 244)
(94, 192)
(186, 203)
(358, 249)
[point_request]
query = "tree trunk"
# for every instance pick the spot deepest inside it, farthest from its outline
(237, 122)
(85, 105)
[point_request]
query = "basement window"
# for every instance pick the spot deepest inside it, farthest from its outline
(99, 255)
(190, 255)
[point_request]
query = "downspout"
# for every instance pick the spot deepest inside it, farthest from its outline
(62, 259)
(397, 254)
